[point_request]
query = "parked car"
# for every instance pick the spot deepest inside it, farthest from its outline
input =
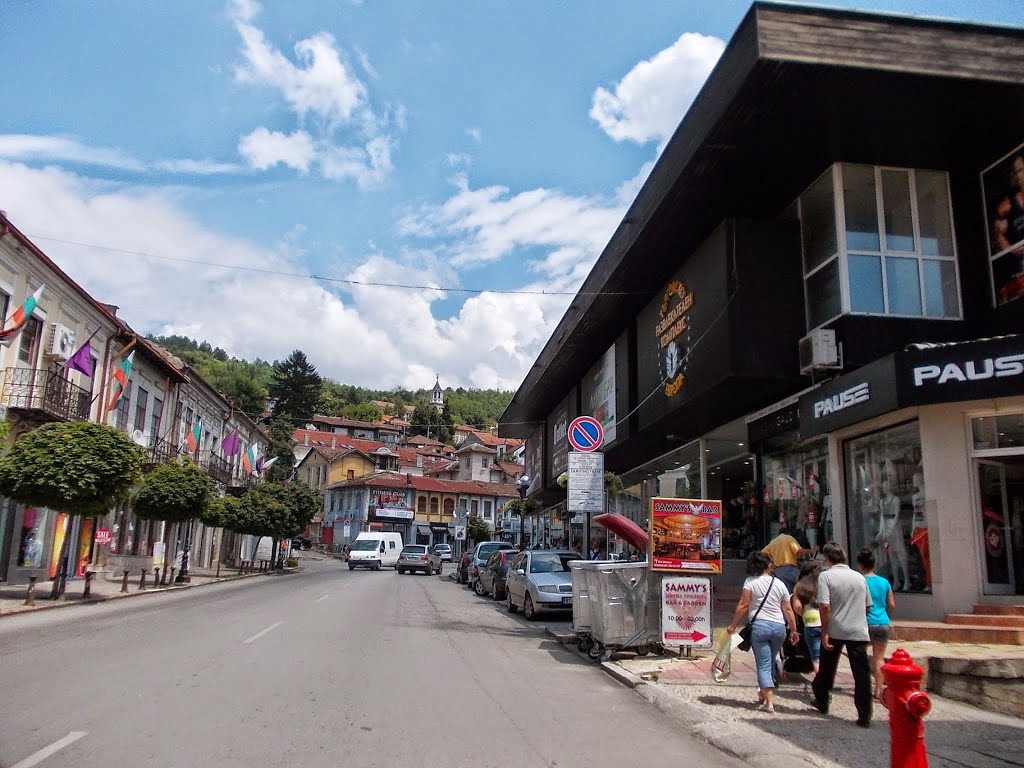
(492, 576)
(301, 542)
(414, 557)
(539, 581)
(445, 551)
(437, 555)
(462, 572)
(481, 554)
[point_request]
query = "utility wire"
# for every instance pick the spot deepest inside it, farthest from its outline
(341, 280)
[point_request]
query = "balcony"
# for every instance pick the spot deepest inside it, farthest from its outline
(163, 452)
(46, 392)
(216, 466)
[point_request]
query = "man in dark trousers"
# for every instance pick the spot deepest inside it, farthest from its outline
(843, 598)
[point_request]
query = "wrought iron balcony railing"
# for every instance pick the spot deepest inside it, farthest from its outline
(34, 389)
(216, 466)
(163, 451)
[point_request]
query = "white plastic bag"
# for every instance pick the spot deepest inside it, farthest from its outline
(721, 667)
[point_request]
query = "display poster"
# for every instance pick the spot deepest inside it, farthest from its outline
(686, 611)
(60, 531)
(686, 535)
(392, 503)
(159, 554)
(33, 531)
(1002, 185)
(84, 547)
(599, 393)
(534, 459)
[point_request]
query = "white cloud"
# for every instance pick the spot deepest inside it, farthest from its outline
(64, 149)
(455, 159)
(369, 166)
(368, 335)
(649, 102)
(475, 134)
(264, 149)
(198, 167)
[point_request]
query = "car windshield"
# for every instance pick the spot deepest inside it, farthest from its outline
(414, 549)
(442, 548)
(486, 550)
(365, 545)
(551, 562)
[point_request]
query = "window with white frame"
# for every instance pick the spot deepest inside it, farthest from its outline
(879, 241)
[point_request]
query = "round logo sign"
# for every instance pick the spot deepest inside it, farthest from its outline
(673, 332)
(586, 433)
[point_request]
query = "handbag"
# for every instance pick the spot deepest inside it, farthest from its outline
(745, 633)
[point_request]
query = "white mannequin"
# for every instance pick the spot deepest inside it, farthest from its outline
(890, 535)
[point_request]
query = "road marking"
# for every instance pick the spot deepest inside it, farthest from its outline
(53, 749)
(262, 632)
(321, 599)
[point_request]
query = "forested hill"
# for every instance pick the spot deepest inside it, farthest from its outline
(247, 384)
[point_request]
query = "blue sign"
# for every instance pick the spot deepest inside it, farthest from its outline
(586, 433)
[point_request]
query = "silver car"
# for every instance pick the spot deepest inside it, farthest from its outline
(414, 558)
(539, 581)
(445, 551)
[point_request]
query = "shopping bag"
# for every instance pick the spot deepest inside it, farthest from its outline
(721, 667)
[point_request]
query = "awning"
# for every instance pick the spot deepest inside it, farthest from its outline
(423, 530)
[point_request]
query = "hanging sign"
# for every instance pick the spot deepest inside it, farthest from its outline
(686, 611)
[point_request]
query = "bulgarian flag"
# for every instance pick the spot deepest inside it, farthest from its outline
(22, 314)
(119, 381)
(249, 458)
(193, 437)
(268, 464)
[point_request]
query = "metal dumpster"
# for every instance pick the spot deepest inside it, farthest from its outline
(625, 606)
(580, 597)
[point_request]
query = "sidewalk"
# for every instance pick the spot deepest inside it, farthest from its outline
(957, 736)
(12, 598)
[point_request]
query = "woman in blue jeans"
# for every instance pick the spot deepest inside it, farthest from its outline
(764, 603)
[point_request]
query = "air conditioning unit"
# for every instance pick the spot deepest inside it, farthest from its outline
(61, 342)
(819, 351)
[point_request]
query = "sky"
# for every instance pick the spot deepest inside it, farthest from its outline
(403, 189)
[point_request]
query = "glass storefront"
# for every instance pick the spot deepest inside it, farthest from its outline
(998, 449)
(796, 496)
(886, 500)
(32, 537)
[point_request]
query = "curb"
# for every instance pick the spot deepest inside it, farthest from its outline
(624, 676)
(22, 610)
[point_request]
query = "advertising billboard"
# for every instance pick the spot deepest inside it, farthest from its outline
(1002, 186)
(686, 535)
(599, 393)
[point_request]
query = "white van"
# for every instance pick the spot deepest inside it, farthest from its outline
(373, 549)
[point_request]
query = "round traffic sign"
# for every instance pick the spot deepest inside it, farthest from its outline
(586, 433)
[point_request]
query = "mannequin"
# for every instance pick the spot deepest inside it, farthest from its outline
(890, 534)
(919, 527)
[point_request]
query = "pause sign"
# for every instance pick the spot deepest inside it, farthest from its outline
(586, 433)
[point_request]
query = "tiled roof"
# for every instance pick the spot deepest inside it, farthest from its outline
(324, 440)
(510, 468)
(493, 440)
(420, 440)
(430, 484)
(341, 421)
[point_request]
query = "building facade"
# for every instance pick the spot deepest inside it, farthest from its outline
(812, 309)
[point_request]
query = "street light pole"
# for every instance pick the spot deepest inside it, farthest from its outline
(522, 485)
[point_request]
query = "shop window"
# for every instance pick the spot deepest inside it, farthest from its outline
(33, 533)
(896, 253)
(994, 432)
(885, 502)
(795, 496)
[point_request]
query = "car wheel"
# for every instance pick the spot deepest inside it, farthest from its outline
(401, 571)
(478, 588)
(351, 567)
(376, 565)
(508, 602)
(528, 610)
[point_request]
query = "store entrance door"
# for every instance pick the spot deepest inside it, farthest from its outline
(1001, 506)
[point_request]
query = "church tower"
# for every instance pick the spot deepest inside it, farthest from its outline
(437, 395)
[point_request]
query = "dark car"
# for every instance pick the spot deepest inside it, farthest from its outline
(491, 580)
(481, 554)
(301, 542)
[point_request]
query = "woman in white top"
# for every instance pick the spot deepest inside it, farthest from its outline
(764, 602)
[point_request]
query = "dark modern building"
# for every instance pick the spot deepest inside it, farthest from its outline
(814, 308)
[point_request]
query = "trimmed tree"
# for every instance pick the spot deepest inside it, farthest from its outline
(81, 469)
(278, 510)
(174, 493)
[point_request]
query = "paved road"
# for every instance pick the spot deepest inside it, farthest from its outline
(322, 668)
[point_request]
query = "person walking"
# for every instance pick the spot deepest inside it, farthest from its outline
(843, 600)
(879, 625)
(805, 605)
(764, 603)
(784, 551)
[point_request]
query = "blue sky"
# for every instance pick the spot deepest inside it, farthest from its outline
(478, 145)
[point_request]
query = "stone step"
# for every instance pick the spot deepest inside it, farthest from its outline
(999, 610)
(957, 633)
(1007, 621)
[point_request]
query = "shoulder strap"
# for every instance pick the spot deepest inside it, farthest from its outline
(768, 592)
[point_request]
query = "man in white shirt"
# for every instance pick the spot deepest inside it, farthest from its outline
(843, 598)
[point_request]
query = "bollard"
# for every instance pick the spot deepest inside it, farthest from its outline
(142, 581)
(241, 567)
(173, 569)
(87, 592)
(124, 582)
(907, 705)
(30, 597)
(156, 577)
(218, 569)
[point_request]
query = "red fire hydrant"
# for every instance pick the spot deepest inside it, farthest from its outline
(907, 705)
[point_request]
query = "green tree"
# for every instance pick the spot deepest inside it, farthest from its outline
(296, 388)
(362, 412)
(223, 512)
(174, 493)
(278, 510)
(80, 469)
(280, 448)
(477, 530)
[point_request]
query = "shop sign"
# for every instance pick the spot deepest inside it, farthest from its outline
(686, 535)
(970, 370)
(863, 394)
(585, 490)
(558, 424)
(858, 393)
(103, 536)
(976, 370)
(534, 460)
(391, 504)
(673, 332)
(686, 611)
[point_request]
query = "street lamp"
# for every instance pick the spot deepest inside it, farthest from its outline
(522, 485)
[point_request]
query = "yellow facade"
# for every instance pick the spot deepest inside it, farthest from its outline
(348, 466)
(436, 507)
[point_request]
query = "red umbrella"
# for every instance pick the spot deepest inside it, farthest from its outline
(624, 528)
